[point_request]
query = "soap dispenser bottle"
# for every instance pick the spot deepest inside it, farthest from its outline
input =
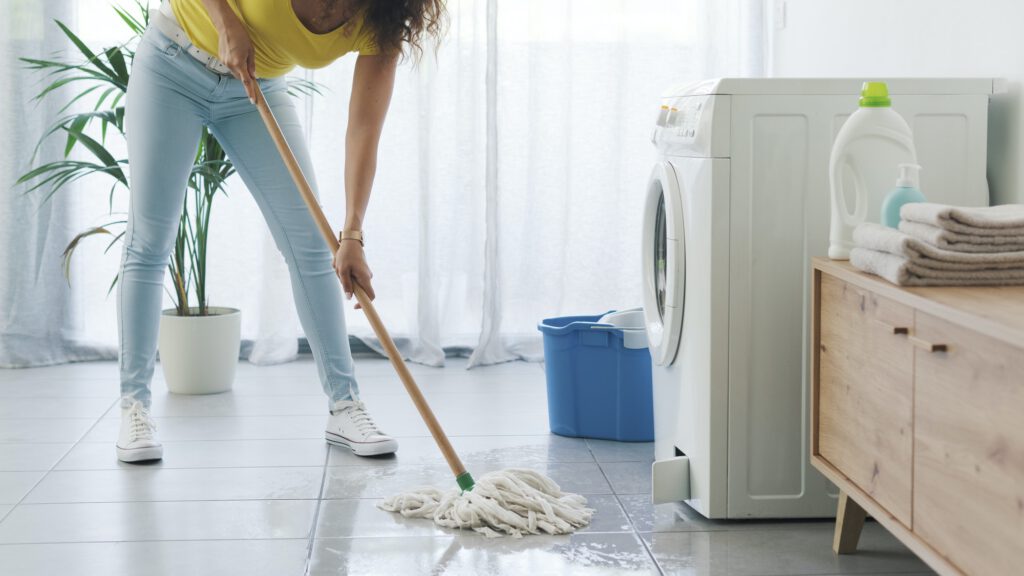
(907, 190)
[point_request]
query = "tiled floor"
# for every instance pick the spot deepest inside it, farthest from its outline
(248, 487)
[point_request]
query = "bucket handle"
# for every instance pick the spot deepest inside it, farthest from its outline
(610, 327)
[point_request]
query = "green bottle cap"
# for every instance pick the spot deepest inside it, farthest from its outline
(875, 95)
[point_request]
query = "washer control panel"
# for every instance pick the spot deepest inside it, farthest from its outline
(681, 117)
(687, 125)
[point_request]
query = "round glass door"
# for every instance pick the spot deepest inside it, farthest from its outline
(660, 255)
(664, 263)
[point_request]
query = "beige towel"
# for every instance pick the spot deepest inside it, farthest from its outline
(924, 255)
(957, 242)
(901, 271)
(1005, 220)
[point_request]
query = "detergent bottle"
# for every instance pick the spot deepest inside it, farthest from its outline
(869, 147)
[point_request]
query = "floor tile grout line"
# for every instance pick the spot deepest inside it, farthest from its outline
(311, 438)
(86, 433)
(257, 439)
(316, 513)
(59, 460)
(17, 443)
(636, 534)
(399, 437)
(147, 467)
(144, 468)
(150, 540)
(465, 533)
(422, 465)
(158, 418)
(178, 501)
(129, 470)
(321, 499)
(48, 418)
(378, 537)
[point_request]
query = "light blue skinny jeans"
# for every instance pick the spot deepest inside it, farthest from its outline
(170, 97)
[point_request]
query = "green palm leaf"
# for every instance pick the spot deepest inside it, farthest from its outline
(89, 55)
(100, 81)
(70, 249)
(100, 152)
(116, 59)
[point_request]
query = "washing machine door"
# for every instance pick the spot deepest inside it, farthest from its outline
(664, 263)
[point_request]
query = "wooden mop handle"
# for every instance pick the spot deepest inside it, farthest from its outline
(371, 313)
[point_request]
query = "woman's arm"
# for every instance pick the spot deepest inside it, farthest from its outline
(234, 48)
(372, 85)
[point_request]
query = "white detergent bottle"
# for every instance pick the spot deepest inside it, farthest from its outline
(869, 147)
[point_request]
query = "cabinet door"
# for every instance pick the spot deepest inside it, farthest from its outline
(865, 416)
(969, 448)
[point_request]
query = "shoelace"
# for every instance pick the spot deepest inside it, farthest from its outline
(361, 419)
(141, 427)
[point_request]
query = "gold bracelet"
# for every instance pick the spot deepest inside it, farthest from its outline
(351, 235)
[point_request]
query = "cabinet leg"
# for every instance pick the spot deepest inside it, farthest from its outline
(849, 521)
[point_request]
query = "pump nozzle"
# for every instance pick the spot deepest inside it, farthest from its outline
(909, 176)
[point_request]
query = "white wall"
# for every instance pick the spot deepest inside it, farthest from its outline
(878, 38)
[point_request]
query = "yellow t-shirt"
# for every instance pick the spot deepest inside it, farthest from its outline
(280, 39)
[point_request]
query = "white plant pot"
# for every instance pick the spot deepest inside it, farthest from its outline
(199, 353)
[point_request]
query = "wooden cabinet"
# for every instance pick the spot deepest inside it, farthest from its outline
(969, 448)
(866, 392)
(918, 415)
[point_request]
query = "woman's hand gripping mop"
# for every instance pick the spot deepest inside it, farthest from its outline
(515, 501)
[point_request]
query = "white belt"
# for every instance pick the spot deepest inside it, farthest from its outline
(165, 21)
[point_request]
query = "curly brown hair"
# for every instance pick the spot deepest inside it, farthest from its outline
(399, 26)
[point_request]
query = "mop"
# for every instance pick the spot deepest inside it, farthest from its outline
(512, 502)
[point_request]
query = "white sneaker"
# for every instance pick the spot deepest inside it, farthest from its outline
(350, 426)
(136, 442)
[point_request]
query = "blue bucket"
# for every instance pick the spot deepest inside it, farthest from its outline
(598, 378)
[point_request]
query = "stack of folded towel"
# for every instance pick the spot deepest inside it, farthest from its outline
(938, 245)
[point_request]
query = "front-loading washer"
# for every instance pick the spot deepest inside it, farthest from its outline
(686, 314)
(736, 205)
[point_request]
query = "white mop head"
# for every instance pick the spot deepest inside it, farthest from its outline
(514, 501)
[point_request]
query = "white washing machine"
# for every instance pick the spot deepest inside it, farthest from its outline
(736, 206)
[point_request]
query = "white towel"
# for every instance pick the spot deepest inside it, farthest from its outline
(901, 271)
(924, 255)
(957, 242)
(1005, 220)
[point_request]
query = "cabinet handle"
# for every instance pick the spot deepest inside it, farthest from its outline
(927, 346)
(892, 329)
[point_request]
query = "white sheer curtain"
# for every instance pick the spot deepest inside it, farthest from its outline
(39, 319)
(577, 90)
(509, 186)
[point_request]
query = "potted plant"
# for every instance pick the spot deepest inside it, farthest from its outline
(198, 343)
